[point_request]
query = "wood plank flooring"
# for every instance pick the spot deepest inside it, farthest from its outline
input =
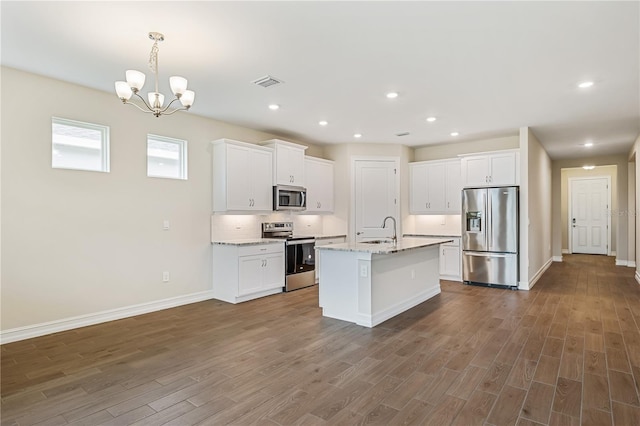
(566, 352)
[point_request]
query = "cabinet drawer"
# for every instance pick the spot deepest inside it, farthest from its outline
(260, 249)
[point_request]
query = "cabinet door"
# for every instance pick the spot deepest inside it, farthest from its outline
(418, 188)
(296, 166)
(259, 170)
(289, 165)
(436, 200)
(503, 169)
(239, 184)
(319, 183)
(475, 171)
(273, 271)
(450, 261)
(453, 190)
(250, 273)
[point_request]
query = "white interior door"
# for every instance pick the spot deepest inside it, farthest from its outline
(376, 197)
(588, 220)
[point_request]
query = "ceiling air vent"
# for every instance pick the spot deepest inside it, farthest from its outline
(403, 134)
(267, 81)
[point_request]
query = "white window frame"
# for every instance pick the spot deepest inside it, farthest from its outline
(104, 143)
(182, 161)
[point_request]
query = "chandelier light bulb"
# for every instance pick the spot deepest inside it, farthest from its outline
(123, 90)
(135, 79)
(178, 85)
(187, 98)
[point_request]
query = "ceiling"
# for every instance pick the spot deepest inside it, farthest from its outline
(483, 69)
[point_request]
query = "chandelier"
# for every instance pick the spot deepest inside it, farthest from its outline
(135, 81)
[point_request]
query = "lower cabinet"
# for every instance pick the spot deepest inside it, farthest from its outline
(451, 261)
(245, 272)
(324, 242)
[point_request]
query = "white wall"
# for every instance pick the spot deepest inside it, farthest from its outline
(452, 150)
(537, 195)
(76, 243)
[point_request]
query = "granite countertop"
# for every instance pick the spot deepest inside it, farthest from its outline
(327, 236)
(387, 248)
(431, 235)
(247, 241)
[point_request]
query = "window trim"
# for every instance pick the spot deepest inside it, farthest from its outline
(183, 160)
(104, 143)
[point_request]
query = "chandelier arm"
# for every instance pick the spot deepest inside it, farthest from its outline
(174, 111)
(167, 107)
(144, 102)
(139, 107)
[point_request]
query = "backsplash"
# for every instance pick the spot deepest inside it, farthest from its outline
(232, 227)
(436, 225)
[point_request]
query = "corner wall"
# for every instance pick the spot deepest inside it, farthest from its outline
(77, 244)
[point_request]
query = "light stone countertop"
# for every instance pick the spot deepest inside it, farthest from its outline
(327, 236)
(248, 241)
(387, 248)
(431, 235)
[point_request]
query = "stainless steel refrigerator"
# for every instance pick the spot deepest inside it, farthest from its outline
(490, 236)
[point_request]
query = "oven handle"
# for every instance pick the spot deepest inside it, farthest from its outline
(297, 242)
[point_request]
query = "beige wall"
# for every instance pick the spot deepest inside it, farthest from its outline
(76, 243)
(452, 150)
(538, 194)
(621, 163)
(600, 171)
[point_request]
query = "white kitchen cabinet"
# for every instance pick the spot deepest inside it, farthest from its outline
(435, 187)
(245, 272)
(499, 168)
(324, 242)
(288, 162)
(319, 184)
(242, 174)
(451, 261)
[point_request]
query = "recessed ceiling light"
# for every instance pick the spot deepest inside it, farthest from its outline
(357, 135)
(589, 167)
(431, 119)
(454, 133)
(588, 144)
(392, 95)
(585, 84)
(274, 107)
(323, 122)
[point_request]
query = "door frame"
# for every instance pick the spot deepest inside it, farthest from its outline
(570, 207)
(352, 213)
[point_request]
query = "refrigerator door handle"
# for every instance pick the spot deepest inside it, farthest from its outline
(488, 218)
(486, 254)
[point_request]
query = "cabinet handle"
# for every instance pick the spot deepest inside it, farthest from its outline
(447, 204)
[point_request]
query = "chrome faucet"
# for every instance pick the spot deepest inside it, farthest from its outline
(395, 235)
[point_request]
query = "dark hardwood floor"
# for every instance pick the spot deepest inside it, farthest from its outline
(566, 352)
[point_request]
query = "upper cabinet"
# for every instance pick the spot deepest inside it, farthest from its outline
(242, 174)
(435, 187)
(499, 168)
(288, 162)
(319, 182)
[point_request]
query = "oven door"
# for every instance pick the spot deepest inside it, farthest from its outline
(300, 264)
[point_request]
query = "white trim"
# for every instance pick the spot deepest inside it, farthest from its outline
(565, 251)
(613, 253)
(637, 277)
(620, 262)
(380, 317)
(35, 330)
(631, 263)
(557, 258)
(528, 286)
(570, 206)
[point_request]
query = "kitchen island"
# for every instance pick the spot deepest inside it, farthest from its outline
(368, 283)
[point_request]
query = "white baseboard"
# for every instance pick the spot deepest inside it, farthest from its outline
(637, 275)
(557, 258)
(528, 286)
(392, 311)
(35, 330)
(631, 263)
(613, 253)
(620, 262)
(565, 251)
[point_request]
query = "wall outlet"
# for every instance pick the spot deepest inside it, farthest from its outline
(165, 277)
(364, 271)
(165, 224)
(413, 274)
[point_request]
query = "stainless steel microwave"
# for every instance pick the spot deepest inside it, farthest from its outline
(289, 198)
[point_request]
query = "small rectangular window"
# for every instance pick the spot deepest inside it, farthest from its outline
(79, 146)
(166, 157)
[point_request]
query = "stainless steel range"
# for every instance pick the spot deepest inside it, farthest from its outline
(300, 258)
